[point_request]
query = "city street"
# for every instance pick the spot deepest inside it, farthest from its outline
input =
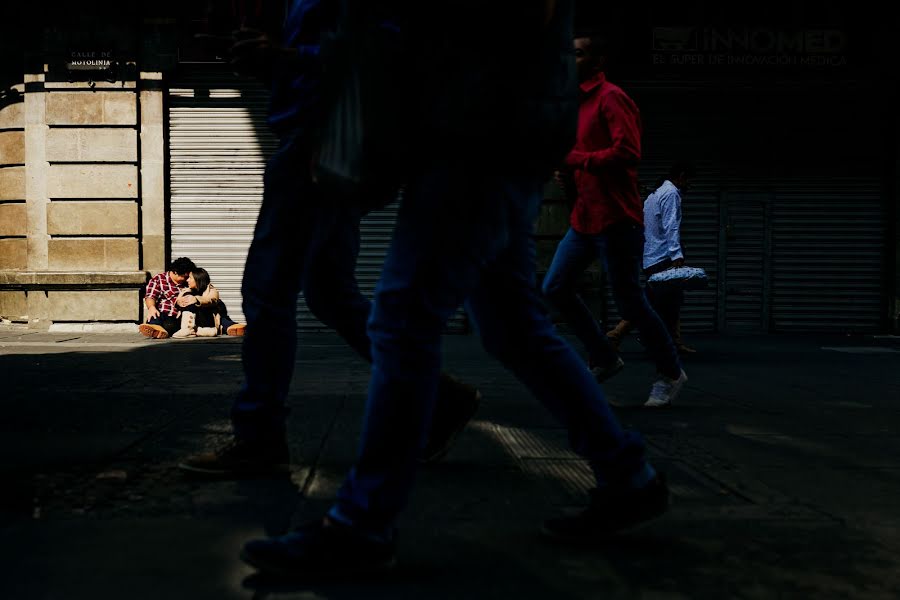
(781, 456)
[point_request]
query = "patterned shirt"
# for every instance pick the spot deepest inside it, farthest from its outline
(662, 225)
(165, 291)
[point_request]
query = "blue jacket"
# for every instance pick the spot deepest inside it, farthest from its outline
(296, 97)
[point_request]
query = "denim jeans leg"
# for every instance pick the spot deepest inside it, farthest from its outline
(450, 224)
(225, 322)
(330, 287)
(574, 254)
(168, 322)
(667, 304)
(293, 220)
(624, 250)
(515, 329)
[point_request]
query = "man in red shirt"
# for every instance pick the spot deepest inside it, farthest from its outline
(607, 224)
(160, 299)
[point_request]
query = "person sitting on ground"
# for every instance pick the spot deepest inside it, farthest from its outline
(160, 299)
(203, 312)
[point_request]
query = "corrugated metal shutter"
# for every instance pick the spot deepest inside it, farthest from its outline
(828, 257)
(745, 290)
(219, 142)
(218, 146)
(700, 242)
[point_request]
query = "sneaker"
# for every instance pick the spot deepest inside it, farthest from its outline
(610, 511)
(601, 374)
(665, 390)
(153, 331)
(455, 406)
(238, 458)
(320, 549)
(237, 330)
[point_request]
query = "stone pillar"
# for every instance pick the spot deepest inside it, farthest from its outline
(152, 169)
(37, 167)
(13, 215)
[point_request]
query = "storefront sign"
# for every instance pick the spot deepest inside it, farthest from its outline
(89, 60)
(749, 46)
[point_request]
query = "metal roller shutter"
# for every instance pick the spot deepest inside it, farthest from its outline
(828, 257)
(219, 142)
(744, 292)
(218, 146)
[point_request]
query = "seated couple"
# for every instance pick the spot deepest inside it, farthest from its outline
(181, 302)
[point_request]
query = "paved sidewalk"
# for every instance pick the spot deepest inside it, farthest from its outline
(781, 454)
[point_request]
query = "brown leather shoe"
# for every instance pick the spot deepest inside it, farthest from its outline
(239, 459)
(236, 330)
(616, 335)
(153, 331)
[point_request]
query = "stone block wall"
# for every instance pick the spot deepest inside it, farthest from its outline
(78, 237)
(13, 220)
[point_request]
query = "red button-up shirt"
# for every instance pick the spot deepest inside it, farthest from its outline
(605, 158)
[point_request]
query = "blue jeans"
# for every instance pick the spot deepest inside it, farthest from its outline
(666, 301)
(620, 247)
(206, 316)
(168, 322)
(302, 242)
(466, 236)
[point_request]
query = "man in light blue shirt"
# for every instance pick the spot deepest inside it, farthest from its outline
(662, 226)
(662, 250)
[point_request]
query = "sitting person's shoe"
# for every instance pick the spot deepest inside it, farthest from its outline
(207, 332)
(153, 331)
(665, 390)
(603, 372)
(188, 326)
(239, 458)
(611, 510)
(454, 407)
(321, 549)
(237, 330)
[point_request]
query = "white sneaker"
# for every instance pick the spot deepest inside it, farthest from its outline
(665, 390)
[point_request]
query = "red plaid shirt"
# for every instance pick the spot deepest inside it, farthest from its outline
(165, 291)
